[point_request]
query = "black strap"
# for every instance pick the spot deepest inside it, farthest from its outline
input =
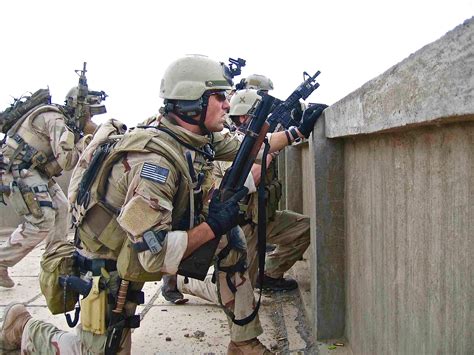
(152, 241)
(40, 188)
(89, 176)
(261, 245)
(209, 155)
(94, 265)
(45, 204)
(69, 320)
(240, 266)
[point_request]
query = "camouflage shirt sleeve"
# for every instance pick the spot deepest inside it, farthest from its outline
(226, 146)
(149, 182)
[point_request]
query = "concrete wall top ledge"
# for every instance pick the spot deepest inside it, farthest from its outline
(434, 84)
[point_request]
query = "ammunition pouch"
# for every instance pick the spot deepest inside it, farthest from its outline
(56, 262)
(17, 201)
(99, 228)
(24, 201)
(32, 158)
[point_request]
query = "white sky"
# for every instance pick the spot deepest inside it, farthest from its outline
(128, 44)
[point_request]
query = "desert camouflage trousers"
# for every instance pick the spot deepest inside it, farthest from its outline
(40, 337)
(290, 232)
(51, 227)
(241, 303)
(52, 340)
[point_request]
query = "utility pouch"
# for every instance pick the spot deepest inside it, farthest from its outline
(31, 202)
(56, 262)
(50, 169)
(94, 309)
(17, 201)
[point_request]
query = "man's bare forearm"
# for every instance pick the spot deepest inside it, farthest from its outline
(197, 236)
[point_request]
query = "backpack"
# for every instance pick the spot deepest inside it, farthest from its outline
(21, 107)
(87, 196)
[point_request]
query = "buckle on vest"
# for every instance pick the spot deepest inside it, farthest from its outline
(152, 241)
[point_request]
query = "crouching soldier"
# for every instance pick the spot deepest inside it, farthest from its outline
(41, 140)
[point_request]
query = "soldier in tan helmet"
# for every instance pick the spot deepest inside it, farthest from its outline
(289, 231)
(137, 218)
(38, 146)
(258, 82)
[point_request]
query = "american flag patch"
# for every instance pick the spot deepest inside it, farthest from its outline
(154, 173)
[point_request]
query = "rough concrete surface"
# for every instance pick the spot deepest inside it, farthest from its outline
(195, 328)
(436, 82)
(409, 241)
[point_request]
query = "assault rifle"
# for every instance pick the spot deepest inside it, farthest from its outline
(84, 104)
(265, 118)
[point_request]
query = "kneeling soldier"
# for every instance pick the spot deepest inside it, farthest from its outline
(136, 221)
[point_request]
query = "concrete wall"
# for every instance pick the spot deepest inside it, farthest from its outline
(392, 207)
(409, 241)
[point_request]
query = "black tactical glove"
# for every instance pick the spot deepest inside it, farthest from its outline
(223, 216)
(310, 115)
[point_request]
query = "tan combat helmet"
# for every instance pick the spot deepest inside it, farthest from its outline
(258, 82)
(242, 102)
(188, 78)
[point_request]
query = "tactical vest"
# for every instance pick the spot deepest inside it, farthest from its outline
(26, 148)
(97, 225)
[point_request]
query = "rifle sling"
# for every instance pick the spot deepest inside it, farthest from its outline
(261, 245)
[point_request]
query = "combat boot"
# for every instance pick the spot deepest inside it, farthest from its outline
(14, 320)
(248, 347)
(170, 291)
(5, 280)
(280, 284)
